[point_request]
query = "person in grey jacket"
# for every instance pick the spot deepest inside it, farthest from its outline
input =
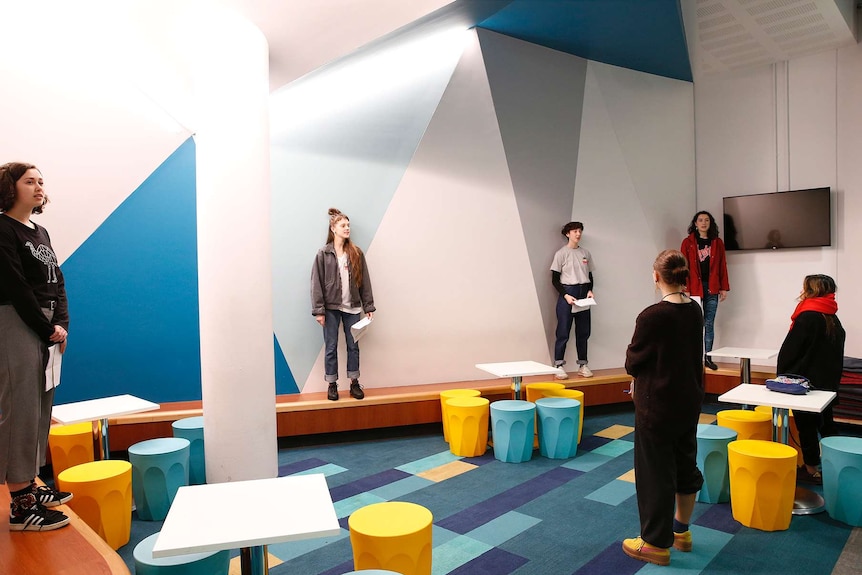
(340, 293)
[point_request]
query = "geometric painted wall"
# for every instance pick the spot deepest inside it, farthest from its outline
(133, 294)
(460, 230)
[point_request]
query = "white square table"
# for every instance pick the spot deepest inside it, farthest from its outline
(98, 411)
(247, 514)
(806, 501)
(745, 355)
(516, 370)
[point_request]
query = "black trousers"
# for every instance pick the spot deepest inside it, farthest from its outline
(665, 464)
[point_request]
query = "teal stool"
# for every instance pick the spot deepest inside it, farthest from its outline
(559, 419)
(192, 428)
(159, 468)
(214, 563)
(712, 441)
(512, 425)
(841, 461)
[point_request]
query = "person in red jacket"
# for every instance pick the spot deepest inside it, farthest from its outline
(704, 251)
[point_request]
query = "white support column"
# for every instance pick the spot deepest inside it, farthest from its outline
(230, 78)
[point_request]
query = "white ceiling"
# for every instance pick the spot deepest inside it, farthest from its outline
(723, 35)
(304, 35)
(739, 34)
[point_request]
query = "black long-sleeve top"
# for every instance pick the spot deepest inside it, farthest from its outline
(30, 276)
(665, 358)
(810, 351)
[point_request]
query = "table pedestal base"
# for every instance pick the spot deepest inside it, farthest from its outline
(253, 560)
(807, 502)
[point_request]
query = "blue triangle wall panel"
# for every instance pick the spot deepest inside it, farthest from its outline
(284, 380)
(133, 295)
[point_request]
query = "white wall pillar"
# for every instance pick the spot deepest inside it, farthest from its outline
(230, 79)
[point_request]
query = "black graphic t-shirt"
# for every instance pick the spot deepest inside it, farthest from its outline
(30, 277)
(703, 252)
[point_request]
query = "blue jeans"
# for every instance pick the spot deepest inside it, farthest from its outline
(335, 317)
(710, 306)
(565, 319)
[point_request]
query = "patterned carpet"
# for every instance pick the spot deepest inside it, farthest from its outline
(541, 517)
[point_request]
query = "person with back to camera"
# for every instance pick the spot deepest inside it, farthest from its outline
(814, 348)
(664, 360)
(704, 251)
(33, 316)
(340, 293)
(572, 277)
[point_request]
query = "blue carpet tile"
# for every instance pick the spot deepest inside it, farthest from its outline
(540, 517)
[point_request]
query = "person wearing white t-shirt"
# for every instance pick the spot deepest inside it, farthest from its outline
(572, 276)
(340, 293)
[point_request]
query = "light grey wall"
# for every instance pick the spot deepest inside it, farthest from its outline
(793, 125)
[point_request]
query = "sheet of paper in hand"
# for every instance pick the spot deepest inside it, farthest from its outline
(583, 304)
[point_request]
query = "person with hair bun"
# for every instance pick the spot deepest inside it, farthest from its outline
(814, 348)
(33, 317)
(664, 358)
(340, 293)
(705, 253)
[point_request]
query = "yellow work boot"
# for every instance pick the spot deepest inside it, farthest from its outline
(639, 549)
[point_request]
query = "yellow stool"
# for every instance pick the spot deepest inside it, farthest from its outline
(791, 429)
(70, 445)
(537, 390)
(103, 497)
(449, 394)
(468, 425)
(747, 424)
(571, 394)
(762, 483)
(394, 535)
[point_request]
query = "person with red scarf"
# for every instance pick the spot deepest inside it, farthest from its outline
(814, 348)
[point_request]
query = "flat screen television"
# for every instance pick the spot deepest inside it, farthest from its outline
(780, 220)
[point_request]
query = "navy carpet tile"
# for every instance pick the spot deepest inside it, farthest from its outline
(541, 517)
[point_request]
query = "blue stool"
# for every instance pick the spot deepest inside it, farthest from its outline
(159, 468)
(512, 424)
(213, 563)
(192, 428)
(841, 459)
(712, 443)
(559, 419)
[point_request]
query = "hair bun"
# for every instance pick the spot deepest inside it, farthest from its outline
(334, 212)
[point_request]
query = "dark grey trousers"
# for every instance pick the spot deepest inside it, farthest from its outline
(25, 406)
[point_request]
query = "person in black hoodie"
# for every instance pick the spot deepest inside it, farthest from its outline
(814, 348)
(33, 316)
(664, 358)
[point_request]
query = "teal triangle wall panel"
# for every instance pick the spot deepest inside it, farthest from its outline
(133, 295)
(284, 380)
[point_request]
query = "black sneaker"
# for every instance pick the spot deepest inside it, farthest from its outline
(707, 361)
(356, 389)
(50, 497)
(37, 518)
(332, 394)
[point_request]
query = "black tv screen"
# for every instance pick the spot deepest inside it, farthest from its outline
(795, 219)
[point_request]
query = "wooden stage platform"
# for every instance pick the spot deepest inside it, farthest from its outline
(77, 550)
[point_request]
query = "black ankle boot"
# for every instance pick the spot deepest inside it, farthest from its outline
(332, 394)
(707, 361)
(356, 389)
